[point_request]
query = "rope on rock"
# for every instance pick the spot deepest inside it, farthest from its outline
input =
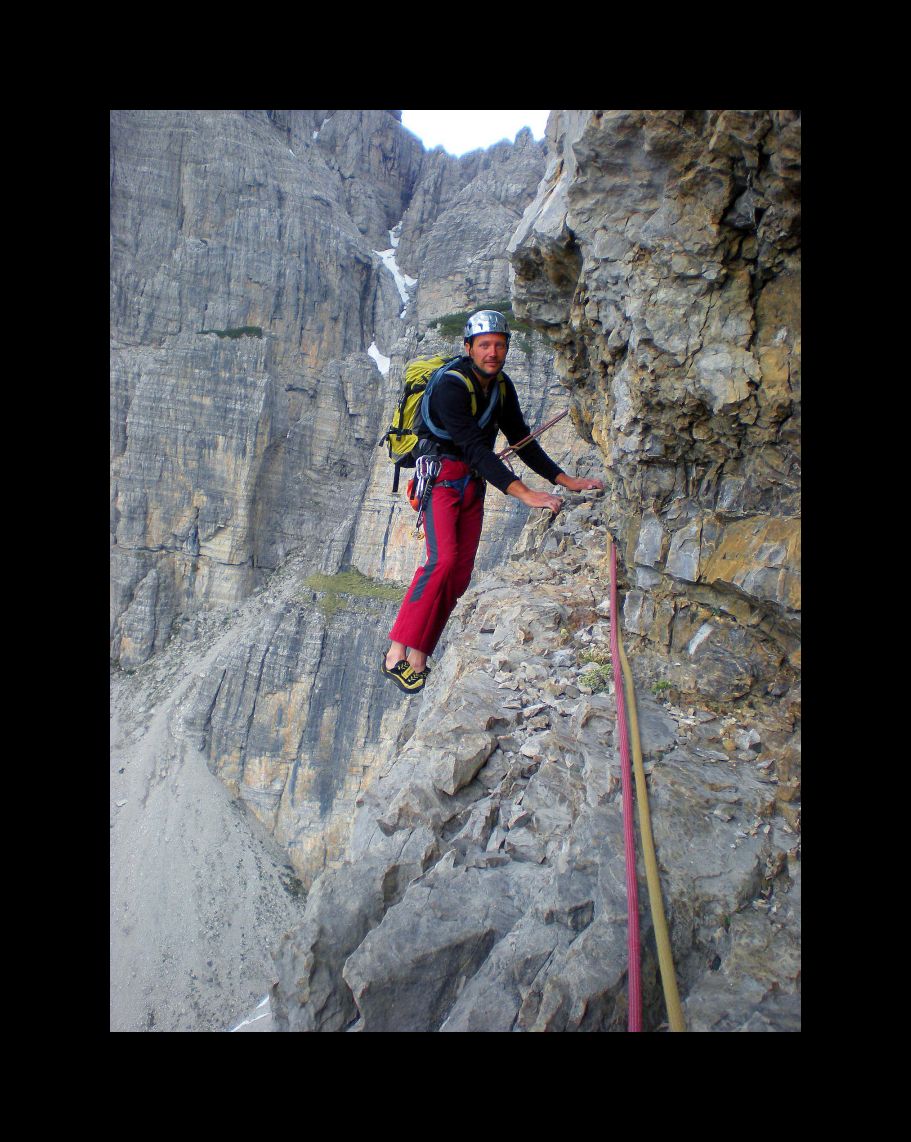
(634, 1016)
(665, 955)
(656, 902)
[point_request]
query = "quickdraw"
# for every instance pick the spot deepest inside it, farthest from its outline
(420, 486)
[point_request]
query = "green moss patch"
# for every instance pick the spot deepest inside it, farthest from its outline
(334, 592)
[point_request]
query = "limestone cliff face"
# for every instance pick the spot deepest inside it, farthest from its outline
(662, 255)
(243, 296)
(452, 234)
(482, 887)
(256, 308)
(271, 273)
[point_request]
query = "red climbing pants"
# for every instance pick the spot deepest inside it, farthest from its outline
(452, 527)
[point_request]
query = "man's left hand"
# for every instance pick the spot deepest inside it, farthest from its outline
(576, 484)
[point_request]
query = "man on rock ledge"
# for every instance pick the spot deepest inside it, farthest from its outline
(454, 509)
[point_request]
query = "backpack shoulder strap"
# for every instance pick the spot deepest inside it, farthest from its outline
(498, 394)
(444, 371)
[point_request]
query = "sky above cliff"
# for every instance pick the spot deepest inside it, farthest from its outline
(461, 131)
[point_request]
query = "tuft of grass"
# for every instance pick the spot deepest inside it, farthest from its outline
(453, 324)
(333, 591)
(597, 656)
(598, 678)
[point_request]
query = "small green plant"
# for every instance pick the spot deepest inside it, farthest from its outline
(598, 678)
(660, 688)
(292, 885)
(453, 324)
(597, 656)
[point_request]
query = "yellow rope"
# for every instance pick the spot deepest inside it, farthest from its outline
(656, 903)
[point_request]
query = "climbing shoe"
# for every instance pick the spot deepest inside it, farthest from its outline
(405, 676)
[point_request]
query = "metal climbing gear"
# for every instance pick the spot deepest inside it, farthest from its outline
(426, 470)
(421, 486)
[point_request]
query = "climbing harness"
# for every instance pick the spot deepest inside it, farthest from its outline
(665, 956)
(419, 499)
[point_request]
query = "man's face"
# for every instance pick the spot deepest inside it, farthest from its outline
(488, 352)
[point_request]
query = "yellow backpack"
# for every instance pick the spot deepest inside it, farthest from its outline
(420, 376)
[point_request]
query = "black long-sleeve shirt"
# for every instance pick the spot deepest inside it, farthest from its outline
(450, 408)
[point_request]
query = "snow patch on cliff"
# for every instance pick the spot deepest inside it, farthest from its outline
(382, 363)
(403, 283)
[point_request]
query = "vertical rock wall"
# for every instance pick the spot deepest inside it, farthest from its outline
(242, 291)
(271, 271)
(662, 257)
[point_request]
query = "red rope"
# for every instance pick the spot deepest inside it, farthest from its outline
(632, 888)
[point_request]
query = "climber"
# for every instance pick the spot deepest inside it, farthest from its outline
(455, 506)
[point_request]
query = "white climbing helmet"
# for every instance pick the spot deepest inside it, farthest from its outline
(486, 321)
